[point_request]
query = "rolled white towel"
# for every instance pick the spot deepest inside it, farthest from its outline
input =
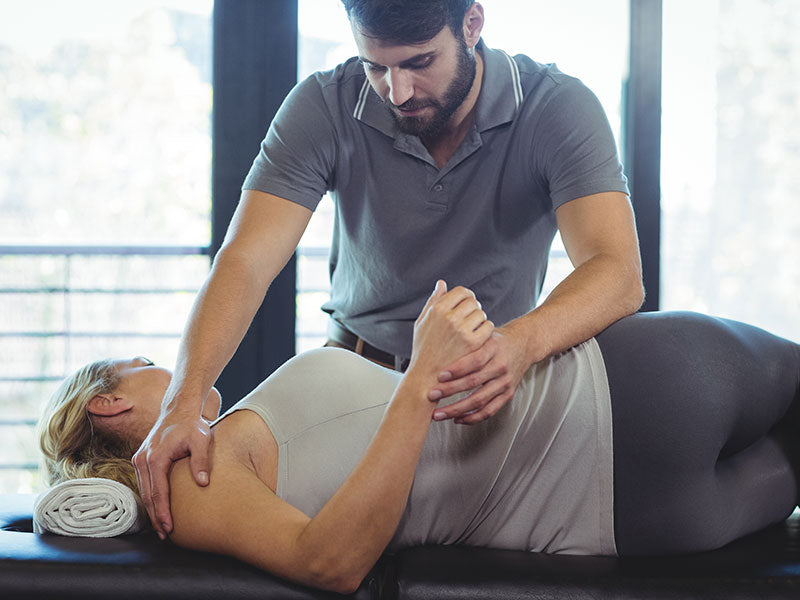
(92, 507)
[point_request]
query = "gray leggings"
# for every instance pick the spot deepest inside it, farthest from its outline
(704, 427)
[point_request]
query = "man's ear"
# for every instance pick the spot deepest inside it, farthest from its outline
(108, 405)
(473, 24)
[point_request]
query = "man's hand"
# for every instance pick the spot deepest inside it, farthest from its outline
(494, 371)
(174, 436)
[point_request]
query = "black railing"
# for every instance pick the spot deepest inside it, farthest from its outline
(63, 287)
(87, 250)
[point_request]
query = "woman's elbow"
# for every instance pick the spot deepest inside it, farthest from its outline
(347, 586)
(335, 578)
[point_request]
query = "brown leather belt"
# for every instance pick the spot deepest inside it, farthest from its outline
(344, 338)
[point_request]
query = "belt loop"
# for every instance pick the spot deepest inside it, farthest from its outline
(359, 349)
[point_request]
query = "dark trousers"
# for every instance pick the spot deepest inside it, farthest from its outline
(705, 430)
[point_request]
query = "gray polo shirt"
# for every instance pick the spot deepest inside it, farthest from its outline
(486, 220)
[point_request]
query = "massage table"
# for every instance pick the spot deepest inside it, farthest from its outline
(765, 565)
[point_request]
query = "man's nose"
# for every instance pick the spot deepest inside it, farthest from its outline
(401, 89)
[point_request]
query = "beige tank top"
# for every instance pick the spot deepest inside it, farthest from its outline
(537, 476)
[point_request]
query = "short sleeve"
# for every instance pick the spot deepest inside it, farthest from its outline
(575, 147)
(297, 156)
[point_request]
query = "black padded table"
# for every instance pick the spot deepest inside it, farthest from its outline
(131, 566)
(764, 565)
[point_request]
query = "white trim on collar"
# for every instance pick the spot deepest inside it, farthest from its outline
(362, 100)
(515, 78)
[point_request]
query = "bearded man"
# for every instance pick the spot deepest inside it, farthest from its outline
(446, 160)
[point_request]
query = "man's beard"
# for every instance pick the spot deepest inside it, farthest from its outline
(455, 95)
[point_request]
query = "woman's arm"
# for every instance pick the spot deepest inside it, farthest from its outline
(238, 515)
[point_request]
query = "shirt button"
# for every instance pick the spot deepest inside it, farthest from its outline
(438, 187)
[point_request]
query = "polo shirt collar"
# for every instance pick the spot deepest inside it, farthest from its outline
(501, 89)
(370, 109)
(498, 102)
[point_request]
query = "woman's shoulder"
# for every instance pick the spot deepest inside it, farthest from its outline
(242, 444)
(239, 441)
(245, 439)
(221, 516)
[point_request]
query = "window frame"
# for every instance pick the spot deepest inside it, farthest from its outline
(254, 68)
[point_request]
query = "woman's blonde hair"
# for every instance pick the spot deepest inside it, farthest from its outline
(73, 447)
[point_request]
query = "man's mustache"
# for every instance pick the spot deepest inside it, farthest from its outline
(412, 104)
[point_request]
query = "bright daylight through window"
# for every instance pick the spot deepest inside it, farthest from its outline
(731, 161)
(105, 156)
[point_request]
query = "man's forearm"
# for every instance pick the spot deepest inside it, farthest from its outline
(596, 294)
(599, 235)
(261, 238)
(220, 316)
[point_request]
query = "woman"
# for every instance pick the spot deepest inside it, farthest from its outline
(662, 435)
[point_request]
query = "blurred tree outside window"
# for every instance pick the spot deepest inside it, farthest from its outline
(731, 161)
(105, 155)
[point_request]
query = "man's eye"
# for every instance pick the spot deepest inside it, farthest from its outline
(375, 68)
(423, 65)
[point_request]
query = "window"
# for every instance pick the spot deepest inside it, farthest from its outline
(731, 106)
(324, 42)
(105, 193)
(585, 38)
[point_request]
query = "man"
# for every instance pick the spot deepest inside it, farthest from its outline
(446, 160)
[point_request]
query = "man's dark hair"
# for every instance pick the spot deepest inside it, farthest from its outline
(407, 21)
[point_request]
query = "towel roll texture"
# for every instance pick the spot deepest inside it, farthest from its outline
(91, 507)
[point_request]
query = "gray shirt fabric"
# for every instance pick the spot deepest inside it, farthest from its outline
(485, 220)
(537, 476)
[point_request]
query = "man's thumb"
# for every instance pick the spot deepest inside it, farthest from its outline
(199, 463)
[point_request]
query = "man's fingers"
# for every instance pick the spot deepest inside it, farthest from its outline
(151, 475)
(159, 486)
(476, 401)
(488, 411)
(143, 479)
(474, 361)
(467, 373)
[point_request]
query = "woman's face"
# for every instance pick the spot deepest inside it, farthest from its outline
(140, 392)
(142, 381)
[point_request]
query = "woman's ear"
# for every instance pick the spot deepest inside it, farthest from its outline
(108, 405)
